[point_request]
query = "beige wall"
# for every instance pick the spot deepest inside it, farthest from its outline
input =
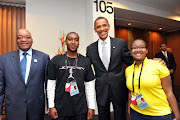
(45, 19)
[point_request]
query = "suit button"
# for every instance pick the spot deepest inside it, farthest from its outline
(25, 101)
(25, 86)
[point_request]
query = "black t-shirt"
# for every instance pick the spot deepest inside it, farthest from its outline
(59, 66)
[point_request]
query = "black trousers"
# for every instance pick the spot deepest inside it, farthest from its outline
(77, 117)
(27, 116)
(119, 109)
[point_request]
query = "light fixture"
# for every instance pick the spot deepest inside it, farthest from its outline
(129, 24)
(160, 28)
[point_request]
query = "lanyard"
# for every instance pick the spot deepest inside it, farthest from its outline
(74, 64)
(139, 77)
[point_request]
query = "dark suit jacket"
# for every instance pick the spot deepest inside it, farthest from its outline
(171, 63)
(23, 98)
(115, 76)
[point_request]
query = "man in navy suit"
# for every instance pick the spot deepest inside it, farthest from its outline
(168, 57)
(108, 56)
(23, 74)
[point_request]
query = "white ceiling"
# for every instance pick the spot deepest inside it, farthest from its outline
(14, 1)
(167, 5)
(172, 6)
(151, 22)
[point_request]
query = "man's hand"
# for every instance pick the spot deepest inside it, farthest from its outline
(90, 114)
(160, 61)
(52, 113)
(171, 71)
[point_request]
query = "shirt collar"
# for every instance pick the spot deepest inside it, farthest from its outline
(144, 62)
(164, 52)
(107, 40)
(29, 52)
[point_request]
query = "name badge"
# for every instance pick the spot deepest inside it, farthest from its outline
(74, 89)
(141, 102)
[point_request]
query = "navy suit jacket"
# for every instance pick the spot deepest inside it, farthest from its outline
(114, 76)
(23, 98)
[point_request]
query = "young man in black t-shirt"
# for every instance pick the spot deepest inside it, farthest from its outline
(69, 76)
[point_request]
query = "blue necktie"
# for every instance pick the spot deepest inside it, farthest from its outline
(23, 65)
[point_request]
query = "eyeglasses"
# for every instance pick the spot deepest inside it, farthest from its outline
(25, 37)
(141, 47)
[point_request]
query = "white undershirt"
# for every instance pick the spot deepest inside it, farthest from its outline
(89, 87)
(29, 58)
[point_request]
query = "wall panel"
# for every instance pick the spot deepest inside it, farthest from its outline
(173, 42)
(153, 39)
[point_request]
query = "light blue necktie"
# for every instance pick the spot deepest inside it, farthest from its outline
(23, 65)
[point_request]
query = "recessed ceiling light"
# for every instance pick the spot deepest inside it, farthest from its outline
(129, 24)
(160, 28)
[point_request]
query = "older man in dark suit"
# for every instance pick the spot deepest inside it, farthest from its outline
(22, 77)
(168, 57)
(108, 56)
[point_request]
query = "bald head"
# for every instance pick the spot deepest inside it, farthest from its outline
(22, 31)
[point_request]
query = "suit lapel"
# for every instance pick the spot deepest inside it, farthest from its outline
(113, 51)
(16, 63)
(34, 62)
(168, 55)
(96, 54)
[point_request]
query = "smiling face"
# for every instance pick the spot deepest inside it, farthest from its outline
(72, 42)
(139, 50)
(24, 39)
(102, 27)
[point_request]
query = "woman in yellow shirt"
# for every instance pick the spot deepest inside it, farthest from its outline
(149, 84)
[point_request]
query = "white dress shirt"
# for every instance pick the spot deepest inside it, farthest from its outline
(108, 45)
(29, 58)
(165, 53)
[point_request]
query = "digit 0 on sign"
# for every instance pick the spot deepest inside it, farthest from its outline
(104, 6)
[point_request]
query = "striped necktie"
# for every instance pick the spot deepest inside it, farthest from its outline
(165, 55)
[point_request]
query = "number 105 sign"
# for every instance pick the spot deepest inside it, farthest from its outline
(104, 6)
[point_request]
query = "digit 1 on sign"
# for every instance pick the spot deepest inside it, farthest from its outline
(96, 1)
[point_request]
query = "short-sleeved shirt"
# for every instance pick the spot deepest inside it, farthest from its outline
(150, 87)
(59, 66)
